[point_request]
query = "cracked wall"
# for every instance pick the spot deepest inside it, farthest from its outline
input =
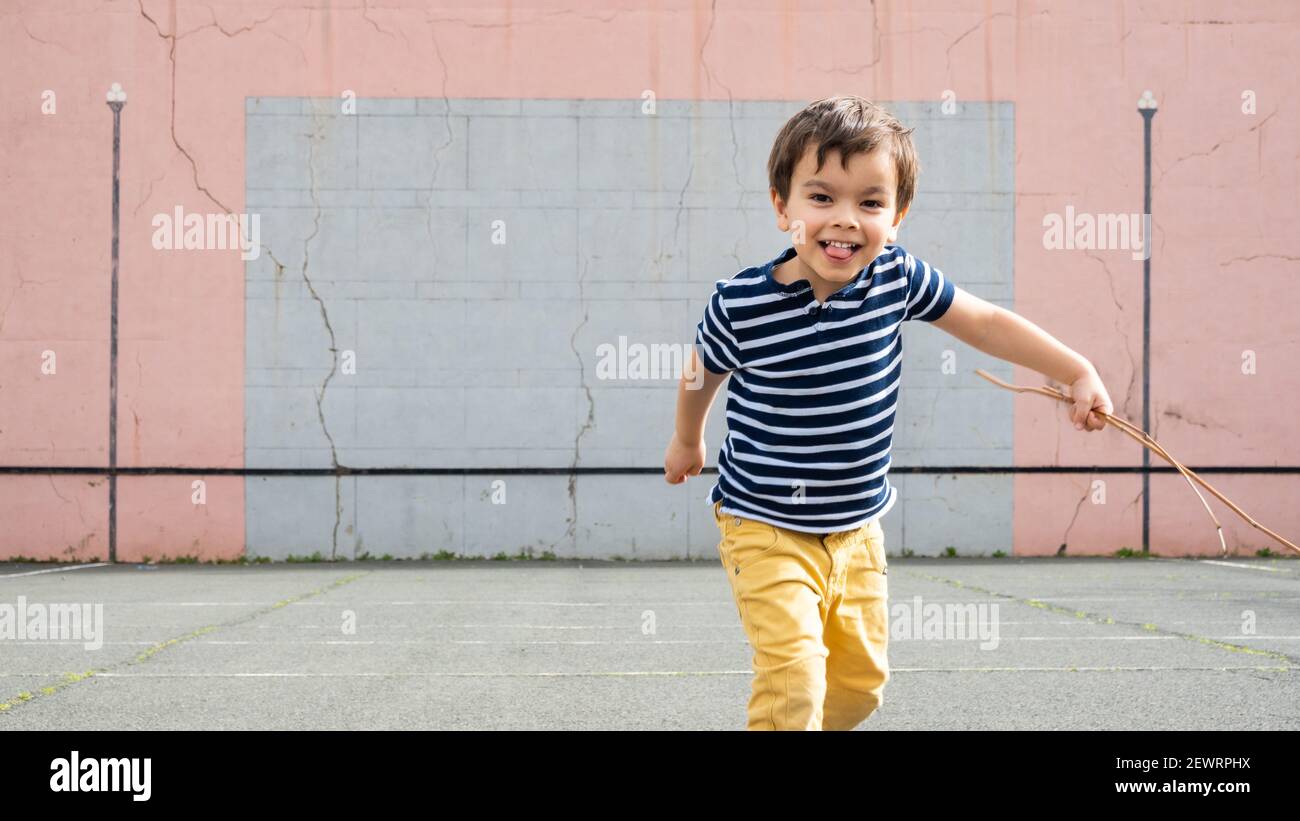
(476, 354)
(224, 365)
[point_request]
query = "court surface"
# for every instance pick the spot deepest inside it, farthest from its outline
(1118, 644)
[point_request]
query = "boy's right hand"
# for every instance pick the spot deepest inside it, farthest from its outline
(682, 460)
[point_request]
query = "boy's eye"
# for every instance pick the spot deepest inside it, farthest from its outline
(869, 203)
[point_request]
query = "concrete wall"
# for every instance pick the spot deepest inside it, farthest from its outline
(477, 349)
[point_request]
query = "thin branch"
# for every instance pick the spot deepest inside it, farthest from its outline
(1146, 441)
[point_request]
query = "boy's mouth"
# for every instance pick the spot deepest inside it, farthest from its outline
(838, 251)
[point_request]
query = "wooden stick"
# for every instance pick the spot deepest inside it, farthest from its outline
(1145, 439)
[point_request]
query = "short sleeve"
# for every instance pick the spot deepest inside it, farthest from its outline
(716, 344)
(929, 292)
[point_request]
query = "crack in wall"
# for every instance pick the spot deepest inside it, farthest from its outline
(877, 53)
(13, 294)
(317, 134)
(279, 280)
(1173, 413)
(173, 39)
(735, 150)
(76, 501)
(948, 52)
(1256, 127)
(681, 203)
(690, 171)
(1134, 370)
(572, 531)
(934, 398)
(148, 193)
(171, 58)
(437, 163)
(241, 30)
(365, 15)
(1065, 538)
(34, 38)
(1254, 257)
(516, 23)
(731, 114)
(428, 225)
(135, 417)
(1056, 457)
(22, 280)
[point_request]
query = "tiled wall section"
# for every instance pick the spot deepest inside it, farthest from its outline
(378, 230)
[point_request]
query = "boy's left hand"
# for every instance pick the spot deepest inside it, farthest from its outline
(1089, 394)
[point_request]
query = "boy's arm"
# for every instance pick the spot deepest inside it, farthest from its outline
(695, 394)
(686, 454)
(1009, 336)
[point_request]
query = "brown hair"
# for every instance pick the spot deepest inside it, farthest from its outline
(851, 125)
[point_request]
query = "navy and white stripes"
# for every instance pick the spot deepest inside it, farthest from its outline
(811, 399)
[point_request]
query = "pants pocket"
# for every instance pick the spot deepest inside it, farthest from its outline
(875, 542)
(745, 541)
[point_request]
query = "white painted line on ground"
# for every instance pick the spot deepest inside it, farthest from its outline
(1079, 669)
(1168, 596)
(1244, 566)
(1230, 637)
(719, 603)
(723, 625)
(53, 570)
(740, 640)
(429, 675)
(679, 673)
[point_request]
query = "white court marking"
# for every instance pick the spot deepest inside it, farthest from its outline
(1244, 566)
(719, 603)
(682, 672)
(52, 570)
(742, 640)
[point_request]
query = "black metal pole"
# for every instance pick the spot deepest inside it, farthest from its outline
(1147, 108)
(116, 105)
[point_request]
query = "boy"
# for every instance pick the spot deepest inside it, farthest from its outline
(812, 342)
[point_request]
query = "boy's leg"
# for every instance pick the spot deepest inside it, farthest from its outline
(777, 578)
(857, 627)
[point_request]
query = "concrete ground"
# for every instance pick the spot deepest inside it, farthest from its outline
(1121, 644)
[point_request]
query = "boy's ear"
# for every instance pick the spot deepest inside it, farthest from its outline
(782, 222)
(893, 230)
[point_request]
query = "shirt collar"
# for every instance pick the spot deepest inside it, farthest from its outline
(801, 285)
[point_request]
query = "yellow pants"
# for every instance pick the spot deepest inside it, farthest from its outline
(814, 608)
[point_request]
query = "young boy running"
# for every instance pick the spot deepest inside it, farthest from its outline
(812, 342)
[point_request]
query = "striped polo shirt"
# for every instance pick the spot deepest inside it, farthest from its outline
(813, 388)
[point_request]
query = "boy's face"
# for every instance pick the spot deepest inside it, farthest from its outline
(857, 205)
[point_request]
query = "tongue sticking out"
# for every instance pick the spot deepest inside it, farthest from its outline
(836, 252)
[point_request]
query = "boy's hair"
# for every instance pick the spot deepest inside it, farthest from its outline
(851, 125)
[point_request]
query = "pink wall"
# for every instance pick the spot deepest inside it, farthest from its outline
(1226, 204)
